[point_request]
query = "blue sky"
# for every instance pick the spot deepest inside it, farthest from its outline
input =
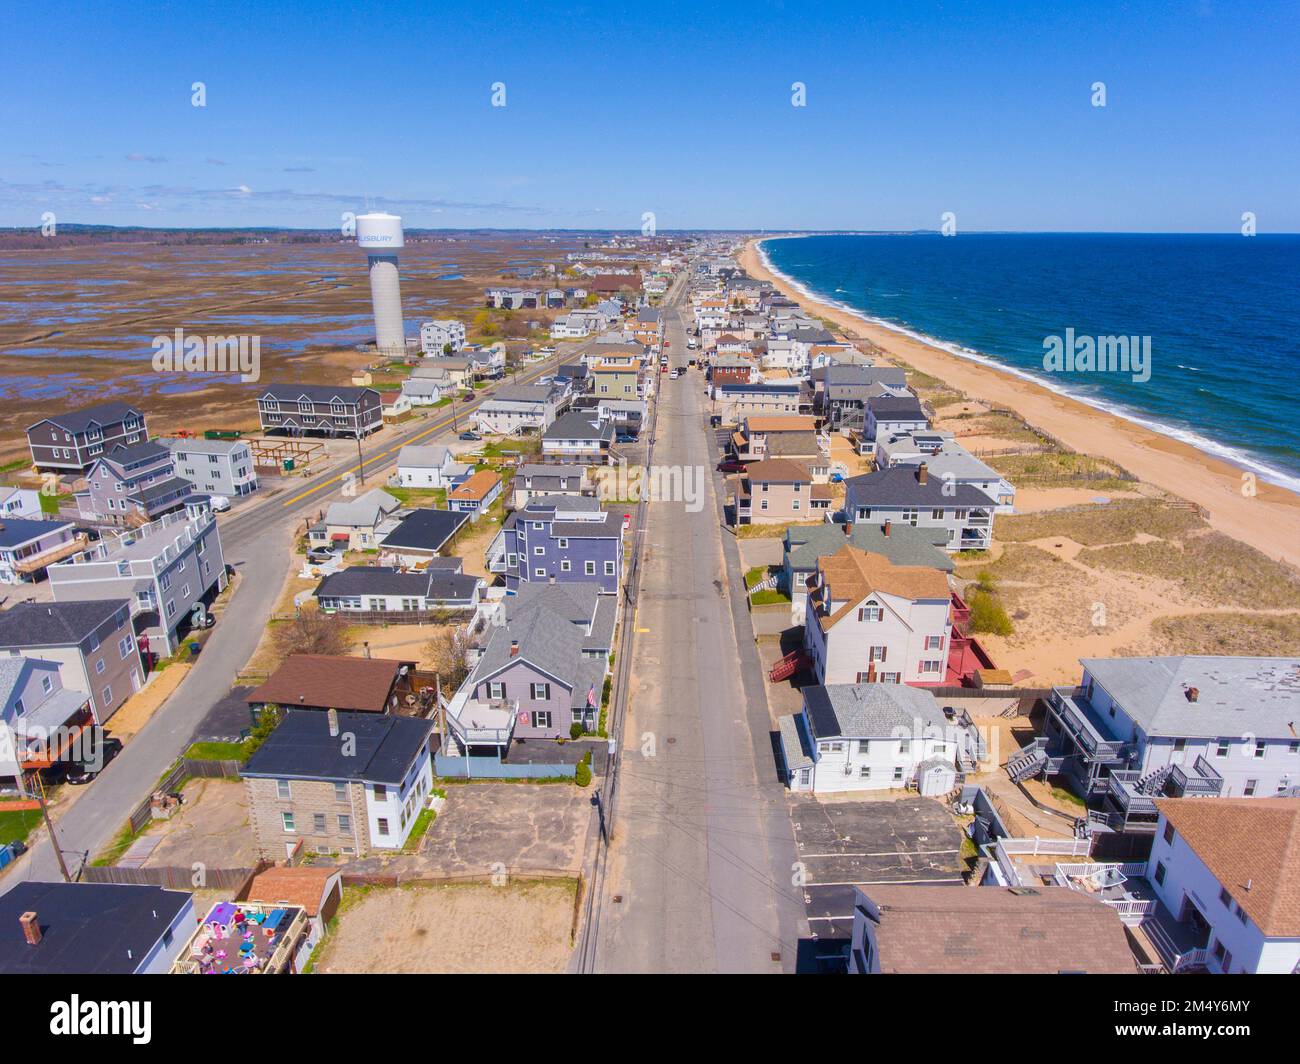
(913, 109)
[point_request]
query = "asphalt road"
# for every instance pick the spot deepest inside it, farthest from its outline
(255, 541)
(699, 877)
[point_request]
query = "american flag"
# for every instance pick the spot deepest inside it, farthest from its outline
(591, 696)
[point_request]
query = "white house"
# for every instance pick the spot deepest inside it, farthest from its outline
(869, 737)
(517, 407)
(436, 336)
(1228, 871)
(426, 391)
(28, 545)
(19, 502)
(423, 466)
(947, 460)
(39, 718)
(868, 620)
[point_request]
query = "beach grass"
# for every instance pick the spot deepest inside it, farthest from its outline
(1061, 469)
(1210, 568)
(1093, 526)
(1242, 634)
(1018, 563)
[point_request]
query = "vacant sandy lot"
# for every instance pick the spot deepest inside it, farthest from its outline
(462, 927)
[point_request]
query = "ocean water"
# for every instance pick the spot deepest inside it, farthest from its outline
(1222, 313)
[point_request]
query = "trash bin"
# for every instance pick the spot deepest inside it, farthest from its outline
(194, 650)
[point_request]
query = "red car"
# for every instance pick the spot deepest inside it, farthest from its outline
(730, 465)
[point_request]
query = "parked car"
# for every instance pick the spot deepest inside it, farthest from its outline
(82, 773)
(674, 374)
(625, 437)
(219, 503)
(471, 437)
(320, 555)
(730, 465)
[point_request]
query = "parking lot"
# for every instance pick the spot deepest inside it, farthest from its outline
(842, 844)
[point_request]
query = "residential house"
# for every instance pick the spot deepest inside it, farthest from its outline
(354, 524)
(616, 381)
(906, 929)
(405, 596)
(29, 546)
(730, 370)
(948, 462)
(427, 391)
(846, 389)
(535, 480)
(92, 641)
(488, 363)
(648, 328)
(888, 414)
(520, 407)
(774, 491)
(40, 720)
(19, 502)
(1228, 872)
(901, 544)
(396, 406)
(739, 401)
(319, 410)
(444, 336)
(458, 370)
(133, 485)
(70, 443)
(579, 436)
(559, 539)
(751, 441)
(615, 284)
(475, 495)
(419, 537)
(218, 467)
(871, 621)
(309, 789)
(424, 466)
(79, 929)
(907, 495)
(869, 737)
(170, 570)
(320, 682)
(1136, 729)
(539, 674)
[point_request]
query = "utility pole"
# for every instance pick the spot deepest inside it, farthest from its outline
(49, 826)
(361, 465)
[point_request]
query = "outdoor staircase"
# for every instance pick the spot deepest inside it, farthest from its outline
(788, 666)
(1028, 763)
(1154, 781)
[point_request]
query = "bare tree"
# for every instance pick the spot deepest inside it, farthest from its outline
(314, 632)
(447, 654)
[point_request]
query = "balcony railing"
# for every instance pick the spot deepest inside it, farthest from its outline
(1063, 704)
(1201, 781)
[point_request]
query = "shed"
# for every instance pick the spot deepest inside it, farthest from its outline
(935, 777)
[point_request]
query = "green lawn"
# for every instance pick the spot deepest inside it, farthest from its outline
(219, 751)
(422, 822)
(424, 497)
(17, 824)
(50, 503)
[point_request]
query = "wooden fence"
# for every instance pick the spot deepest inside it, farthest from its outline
(173, 877)
(182, 770)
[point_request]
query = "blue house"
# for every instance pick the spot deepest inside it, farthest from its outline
(559, 539)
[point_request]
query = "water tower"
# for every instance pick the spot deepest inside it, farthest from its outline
(380, 235)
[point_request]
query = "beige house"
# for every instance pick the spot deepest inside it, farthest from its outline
(774, 491)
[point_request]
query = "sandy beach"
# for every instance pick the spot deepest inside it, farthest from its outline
(1262, 515)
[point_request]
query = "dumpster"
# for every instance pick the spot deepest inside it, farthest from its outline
(288, 465)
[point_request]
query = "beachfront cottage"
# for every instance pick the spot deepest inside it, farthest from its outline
(579, 436)
(560, 539)
(735, 402)
(71, 442)
(948, 461)
(420, 537)
(217, 467)
(39, 720)
(870, 621)
(330, 681)
(772, 492)
(907, 495)
(319, 410)
(475, 495)
(1135, 729)
(871, 737)
(308, 788)
(889, 414)
(845, 389)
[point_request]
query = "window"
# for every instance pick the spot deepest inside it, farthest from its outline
(1225, 898)
(286, 822)
(904, 747)
(540, 573)
(340, 792)
(282, 789)
(496, 690)
(609, 568)
(125, 645)
(1241, 913)
(381, 826)
(1222, 747)
(108, 696)
(318, 823)
(566, 566)
(1293, 747)
(877, 653)
(1260, 747)
(898, 773)
(47, 684)
(864, 747)
(930, 665)
(345, 824)
(589, 568)
(1160, 872)
(541, 718)
(864, 772)
(937, 514)
(1169, 833)
(1250, 788)
(933, 642)
(805, 776)
(541, 692)
(100, 666)
(539, 551)
(830, 748)
(381, 792)
(563, 543)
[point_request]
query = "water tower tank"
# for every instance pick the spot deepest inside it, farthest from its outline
(380, 236)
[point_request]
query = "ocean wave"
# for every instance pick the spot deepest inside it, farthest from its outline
(1233, 455)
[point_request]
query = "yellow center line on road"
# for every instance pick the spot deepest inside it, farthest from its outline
(392, 450)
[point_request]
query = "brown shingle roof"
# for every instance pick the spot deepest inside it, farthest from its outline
(853, 574)
(781, 423)
(779, 471)
(361, 684)
(1247, 840)
(303, 887)
(989, 930)
(477, 486)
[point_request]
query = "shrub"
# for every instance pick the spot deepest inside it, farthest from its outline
(582, 774)
(575, 730)
(987, 614)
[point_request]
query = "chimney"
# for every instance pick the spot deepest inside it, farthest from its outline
(31, 928)
(1193, 693)
(332, 715)
(848, 529)
(514, 647)
(922, 473)
(871, 672)
(888, 523)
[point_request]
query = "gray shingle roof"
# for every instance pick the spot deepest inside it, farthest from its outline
(382, 580)
(870, 710)
(18, 530)
(425, 529)
(1234, 694)
(899, 486)
(46, 624)
(103, 414)
(579, 426)
(903, 546)
(317, 393)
